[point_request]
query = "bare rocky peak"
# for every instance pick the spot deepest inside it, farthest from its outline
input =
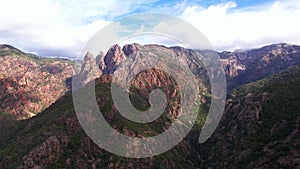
(130, 49)
(89, 69)
(113, 58)
(100, 61)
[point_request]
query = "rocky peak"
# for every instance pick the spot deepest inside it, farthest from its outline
(113, 58)
(100, 61)
(89, 69)
(131, 48)
(88, 57)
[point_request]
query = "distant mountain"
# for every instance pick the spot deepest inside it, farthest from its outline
(247, 66)
(29, 83)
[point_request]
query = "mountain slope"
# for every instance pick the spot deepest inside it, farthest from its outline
(55, 139)
(29, 83)
(260, 127)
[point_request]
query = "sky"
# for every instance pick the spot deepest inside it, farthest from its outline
(61, 28)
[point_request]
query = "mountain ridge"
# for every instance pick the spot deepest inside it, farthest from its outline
(54, 138)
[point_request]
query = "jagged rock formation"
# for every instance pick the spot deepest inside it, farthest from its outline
(29, 84)
(113, 58)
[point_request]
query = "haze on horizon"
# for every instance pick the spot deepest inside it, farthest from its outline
(62, 28)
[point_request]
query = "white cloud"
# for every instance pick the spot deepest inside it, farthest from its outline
(228, 27)
(62, 28)
(57, 28)
(45, 27)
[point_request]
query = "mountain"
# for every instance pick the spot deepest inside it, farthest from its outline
(259, 128)
(59, 141)
(242, 67)
(30, 84)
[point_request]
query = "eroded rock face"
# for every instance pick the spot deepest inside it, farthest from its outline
(138, 54)
(30, 84)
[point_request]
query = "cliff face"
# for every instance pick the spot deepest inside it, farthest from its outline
(29, 84)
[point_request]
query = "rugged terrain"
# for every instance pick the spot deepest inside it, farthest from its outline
(241, 66)
(259, 129)
(30, 84)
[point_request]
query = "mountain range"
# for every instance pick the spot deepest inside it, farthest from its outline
(259, 128)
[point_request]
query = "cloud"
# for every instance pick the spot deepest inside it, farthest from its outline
(58, 28)
(44, 27)
(229, 27)
(62, 28)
